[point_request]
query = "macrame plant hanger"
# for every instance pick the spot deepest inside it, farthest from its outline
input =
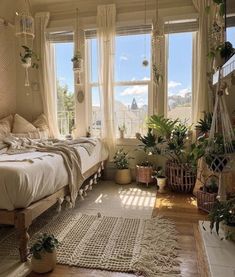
(24, 30)
(78, 61)
(220, 147)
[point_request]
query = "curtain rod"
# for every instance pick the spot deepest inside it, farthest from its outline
(6, 23)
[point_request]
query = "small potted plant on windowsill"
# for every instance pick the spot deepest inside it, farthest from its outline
(122, 130)
(123, 173)
(77, 62)
(44, 253)
(161, 179)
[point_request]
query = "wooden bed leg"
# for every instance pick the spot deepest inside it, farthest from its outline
(23, 243)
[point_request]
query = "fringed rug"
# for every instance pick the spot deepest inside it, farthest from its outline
(147, 247)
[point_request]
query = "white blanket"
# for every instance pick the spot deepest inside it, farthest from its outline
(29, 177)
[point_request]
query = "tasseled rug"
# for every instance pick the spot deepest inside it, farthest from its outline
(146, 247)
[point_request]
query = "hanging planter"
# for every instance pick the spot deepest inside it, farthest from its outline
(77, 62)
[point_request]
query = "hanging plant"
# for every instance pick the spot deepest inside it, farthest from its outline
(77, 61)
(27, 56)
(221, 7)
(157, 77)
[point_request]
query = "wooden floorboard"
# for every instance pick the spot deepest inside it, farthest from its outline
(183, 211)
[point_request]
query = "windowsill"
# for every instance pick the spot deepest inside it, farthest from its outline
(127, 142)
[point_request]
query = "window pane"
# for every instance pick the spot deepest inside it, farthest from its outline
(93, 52)
(180, 77)
(130, 52)
(231, 35)
(131, 108)
(65, 87)
(96, 112)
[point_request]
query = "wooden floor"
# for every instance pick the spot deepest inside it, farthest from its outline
(183, 211)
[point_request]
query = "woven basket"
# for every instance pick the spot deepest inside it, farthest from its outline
(205, 200)
(180, 178)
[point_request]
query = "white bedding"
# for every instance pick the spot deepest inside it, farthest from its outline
(24, 182)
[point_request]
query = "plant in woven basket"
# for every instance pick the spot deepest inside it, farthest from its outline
(223, 212)
(27, 56)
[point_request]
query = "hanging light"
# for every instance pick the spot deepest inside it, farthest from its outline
(145, 62)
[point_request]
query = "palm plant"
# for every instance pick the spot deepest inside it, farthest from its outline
(204, 125)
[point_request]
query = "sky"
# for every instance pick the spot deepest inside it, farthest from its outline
(130, 52)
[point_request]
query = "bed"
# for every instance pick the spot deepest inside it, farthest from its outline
(30, 183)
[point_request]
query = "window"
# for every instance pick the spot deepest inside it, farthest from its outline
(180, 77)
(231, 35)
(132, 83)
(65, 87)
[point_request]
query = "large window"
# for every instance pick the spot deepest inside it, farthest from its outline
(180, 77)
(132, 82)
(65, 87)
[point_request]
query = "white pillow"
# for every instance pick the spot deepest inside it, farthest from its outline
(5, 126)
(21, 125)
(41, 123)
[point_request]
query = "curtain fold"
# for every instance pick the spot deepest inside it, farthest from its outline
(200, 62)
(106, 19)
(47, 76)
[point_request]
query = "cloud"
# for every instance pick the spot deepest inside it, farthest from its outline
(135, 90)
(173, 84)
(123, 58)
(184, 91)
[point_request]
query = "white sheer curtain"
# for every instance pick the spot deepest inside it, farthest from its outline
(106, 18)
(47, 72)
(200, 62)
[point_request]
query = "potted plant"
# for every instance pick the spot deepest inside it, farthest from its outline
(144, 170)
(207, 194)
(44, 253)
(123, 173)
(77, 61)
(122, 130)
(177, 148)
(204, 125)
(27, 56)
(224, 213)
(161, 179)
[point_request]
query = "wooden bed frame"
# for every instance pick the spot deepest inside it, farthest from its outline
(23, 218)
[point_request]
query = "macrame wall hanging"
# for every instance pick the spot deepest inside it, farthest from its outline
(24, 30)
(220, 149)
(78, 61)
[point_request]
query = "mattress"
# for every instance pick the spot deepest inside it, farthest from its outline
(29, 177)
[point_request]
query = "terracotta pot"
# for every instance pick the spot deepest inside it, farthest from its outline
(144, 174)
(45, 264)
(161, 182)
(123, 176)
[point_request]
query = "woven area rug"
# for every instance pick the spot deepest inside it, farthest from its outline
(132, 244)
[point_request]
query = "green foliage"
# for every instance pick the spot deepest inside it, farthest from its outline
(149, 141)
(29, 54)
(156, 74)
(222, 212)
(204, 125)
(76, 57)
(225, 50)
(159, 173)
(163, 126)
(121, 159)
(45, 243)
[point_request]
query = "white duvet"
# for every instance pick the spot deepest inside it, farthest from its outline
(38, 174)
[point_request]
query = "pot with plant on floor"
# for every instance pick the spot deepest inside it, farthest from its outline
(144, 170)
(177, 147)
(44, 253)
(161, 179)
(123, 173)
(223, 215)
